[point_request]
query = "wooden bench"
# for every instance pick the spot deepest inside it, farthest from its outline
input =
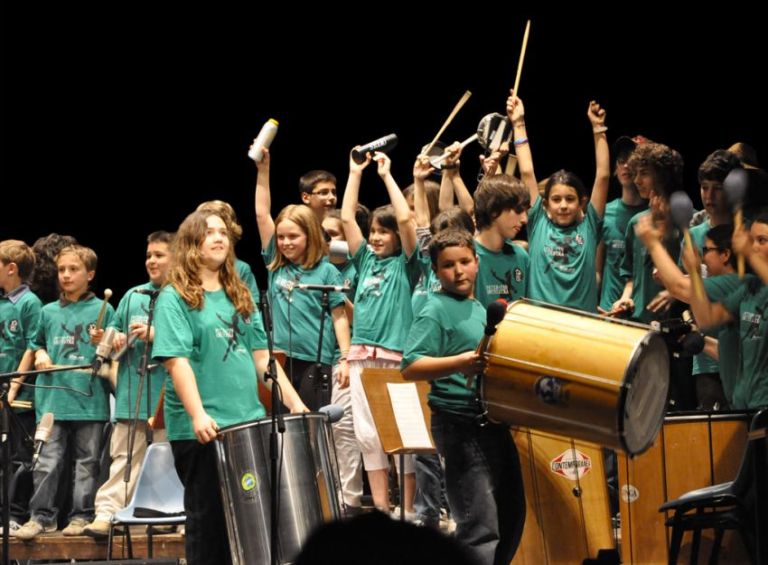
(55, 546)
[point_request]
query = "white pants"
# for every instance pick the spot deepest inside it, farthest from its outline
(111, 496)
(374, 457)
(347, 449)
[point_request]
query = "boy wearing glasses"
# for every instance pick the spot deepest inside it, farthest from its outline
(318, 191)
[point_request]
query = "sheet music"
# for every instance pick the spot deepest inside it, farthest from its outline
(409, 416)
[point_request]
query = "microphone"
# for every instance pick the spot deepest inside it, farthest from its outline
(147, 291)
(384, 144)
(493, 315)
(323, 287)
(42, 435)
(103, 350)
(333, 411)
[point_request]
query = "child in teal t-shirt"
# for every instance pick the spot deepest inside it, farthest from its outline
(564, 227)
(294, 249)
(67, 336)
(387, 273)
(483, 478)
(19, 315)
(211, 340)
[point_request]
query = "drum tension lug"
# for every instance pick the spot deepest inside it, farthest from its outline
(576, 492)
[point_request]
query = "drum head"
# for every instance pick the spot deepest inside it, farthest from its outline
(647, 384)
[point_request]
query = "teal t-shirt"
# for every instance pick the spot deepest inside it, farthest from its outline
(717, 289)
(502, 274)
(19, 316)
(638, 266)
(296, 313)
(428, 284)
(246, 275)
(447, 325)
(563, 259)
(134, 309)
(383, 310)
(748, 305)
(219, 344)
(702, 363)
(617, 216)
(63, 333)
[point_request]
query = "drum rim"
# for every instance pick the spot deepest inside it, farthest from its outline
(629, 375)
(268, 419)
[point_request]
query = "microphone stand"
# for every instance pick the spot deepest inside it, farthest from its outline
(144, 374)
(277, 426)
(322, 380)
(5, 439)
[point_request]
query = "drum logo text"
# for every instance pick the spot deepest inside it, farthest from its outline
(571, 464)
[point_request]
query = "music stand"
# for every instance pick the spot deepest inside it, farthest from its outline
(375, 387)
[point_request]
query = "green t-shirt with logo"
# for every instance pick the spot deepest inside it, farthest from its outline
(296, 313)
(447, 325)
(63, 333)
(748, 305)
(502, 274)
(19, 316)
(383, 311)
(219, 344)
(563, 259)
(617, 216)
(134, 309)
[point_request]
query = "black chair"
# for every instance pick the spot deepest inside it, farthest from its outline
(736, 505)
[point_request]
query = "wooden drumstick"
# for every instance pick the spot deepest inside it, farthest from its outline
(100, 318)
(455, 111)
(735, 186)
(681, 210)
(522, 57)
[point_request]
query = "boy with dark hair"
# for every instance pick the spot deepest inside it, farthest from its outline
(80, 405)
(482, 468)
(317, 190)
(130, 321)
(19, 315)
(501, 211)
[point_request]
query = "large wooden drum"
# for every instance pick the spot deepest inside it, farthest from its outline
(578, 375)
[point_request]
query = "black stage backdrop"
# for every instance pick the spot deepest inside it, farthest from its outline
(118, 121)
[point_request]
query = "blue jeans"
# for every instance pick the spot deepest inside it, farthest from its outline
(85, 439)
(484, 484)
(429, 489)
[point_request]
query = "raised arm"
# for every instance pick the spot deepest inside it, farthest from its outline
(453, 174)
(263, 201)
(421, 171)
(707, 314)
(673, 279)
(352, 231)
(602, 158)
(402, 211)
(516, 114)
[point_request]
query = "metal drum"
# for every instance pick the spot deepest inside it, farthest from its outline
(579, 375)
(308, 485)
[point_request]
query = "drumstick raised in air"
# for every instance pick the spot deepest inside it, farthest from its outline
(100, 318)
(681, 210)
(459, 105)
(735, 187)
(522, 57)
(463, 144)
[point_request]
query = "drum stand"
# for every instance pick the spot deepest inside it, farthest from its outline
(143, 375)
(277, 426)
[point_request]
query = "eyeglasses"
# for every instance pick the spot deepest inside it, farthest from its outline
(324, 192)
(705, 249)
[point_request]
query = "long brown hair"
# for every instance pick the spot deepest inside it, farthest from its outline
(187, 262)
(306, 219)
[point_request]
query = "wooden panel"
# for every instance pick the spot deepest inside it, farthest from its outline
(57, 547)
(562, 527)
